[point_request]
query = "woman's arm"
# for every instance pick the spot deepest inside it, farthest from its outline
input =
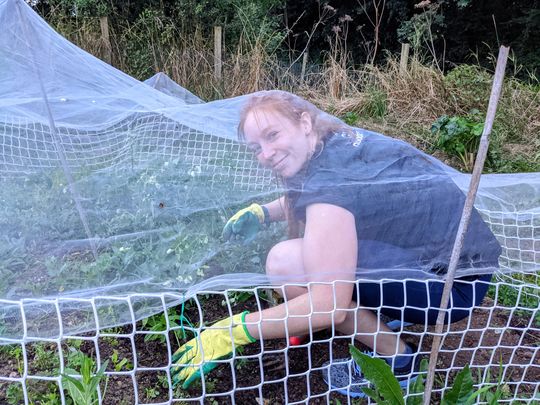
(329, 253)
(276, 209)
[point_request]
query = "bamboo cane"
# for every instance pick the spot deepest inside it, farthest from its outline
(465, 216)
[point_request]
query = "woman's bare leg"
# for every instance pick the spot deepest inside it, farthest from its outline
(285, 265)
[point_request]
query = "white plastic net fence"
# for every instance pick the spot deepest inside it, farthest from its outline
(113, 196)
(498, 342)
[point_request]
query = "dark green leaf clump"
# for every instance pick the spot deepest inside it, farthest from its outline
(459, 136)
(385, 389)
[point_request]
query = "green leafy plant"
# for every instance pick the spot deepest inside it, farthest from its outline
(459, 136)
(83, 391)
(14, 394)
(237, 297)
(151, 392)
(158, 323)
(44, 359)
(120, 364)
(16, 352)
(385, 388)
(351, 118)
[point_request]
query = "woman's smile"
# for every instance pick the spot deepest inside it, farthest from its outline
(280, 164)
(279, 143)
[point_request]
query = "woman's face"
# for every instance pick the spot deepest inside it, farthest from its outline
(278, 142)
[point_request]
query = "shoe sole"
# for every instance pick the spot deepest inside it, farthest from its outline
(403, 384)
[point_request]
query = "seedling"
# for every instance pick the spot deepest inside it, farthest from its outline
(151, 392)
(120, 364)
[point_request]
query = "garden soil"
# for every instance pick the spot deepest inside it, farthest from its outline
(490, 336)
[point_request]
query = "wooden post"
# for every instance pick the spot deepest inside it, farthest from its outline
(304, 64)
(404, 58)
(217, 52)
(107, 53)
(465, 217)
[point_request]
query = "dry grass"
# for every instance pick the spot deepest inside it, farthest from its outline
(400, 104)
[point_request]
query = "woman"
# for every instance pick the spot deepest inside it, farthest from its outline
(366, 203)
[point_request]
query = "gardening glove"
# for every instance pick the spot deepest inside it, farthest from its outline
(245, 223)
(215, 343)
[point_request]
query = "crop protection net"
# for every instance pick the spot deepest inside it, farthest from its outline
(113, 197)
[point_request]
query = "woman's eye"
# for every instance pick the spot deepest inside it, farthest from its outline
(255, 149)
(272, 135)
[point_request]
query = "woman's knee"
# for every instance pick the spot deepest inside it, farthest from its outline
(284, 261)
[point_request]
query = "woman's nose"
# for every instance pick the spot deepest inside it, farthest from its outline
(267, 152)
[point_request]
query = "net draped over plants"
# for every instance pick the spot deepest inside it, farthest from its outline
(114, 194)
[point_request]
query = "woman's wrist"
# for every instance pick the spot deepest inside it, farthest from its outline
(266, 215)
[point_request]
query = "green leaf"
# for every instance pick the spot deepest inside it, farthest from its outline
(75, 389)
(72, 380)
(373, 394)
(472, 398)
(461, 389)
(416, 388)
(380, 374)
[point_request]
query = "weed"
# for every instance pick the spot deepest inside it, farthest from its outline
(236, 297)
(15, 352)
(163, 380)
(45, 360)
(14, 394)
(351, 118)
(376, 103)
(151, 392)
(158, 323)
(83, 391)
(111, 340)
(120, 364)
(459, 136)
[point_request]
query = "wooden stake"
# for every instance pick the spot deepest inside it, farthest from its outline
(465, 216)
(217, 52)
(304, 64)
(404, 60)
(104, 24)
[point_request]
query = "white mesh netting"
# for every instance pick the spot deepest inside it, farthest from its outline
(113, 196)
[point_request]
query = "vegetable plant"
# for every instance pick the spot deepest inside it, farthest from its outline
(83, 391)
(385, 388)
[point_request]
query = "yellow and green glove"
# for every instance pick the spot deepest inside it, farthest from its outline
(214, 343)
(246, 223)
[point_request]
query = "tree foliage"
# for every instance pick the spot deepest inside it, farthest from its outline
(448, 31)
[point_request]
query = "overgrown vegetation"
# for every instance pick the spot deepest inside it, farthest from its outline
(265, 51)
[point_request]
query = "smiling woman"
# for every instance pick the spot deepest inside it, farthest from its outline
(365, 202)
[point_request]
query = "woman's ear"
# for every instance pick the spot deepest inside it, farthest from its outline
(305, 123)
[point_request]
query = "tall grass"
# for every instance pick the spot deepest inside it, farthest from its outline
(400, 104)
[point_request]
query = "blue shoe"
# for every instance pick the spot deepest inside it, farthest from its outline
(346, 377)
(397, 324)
